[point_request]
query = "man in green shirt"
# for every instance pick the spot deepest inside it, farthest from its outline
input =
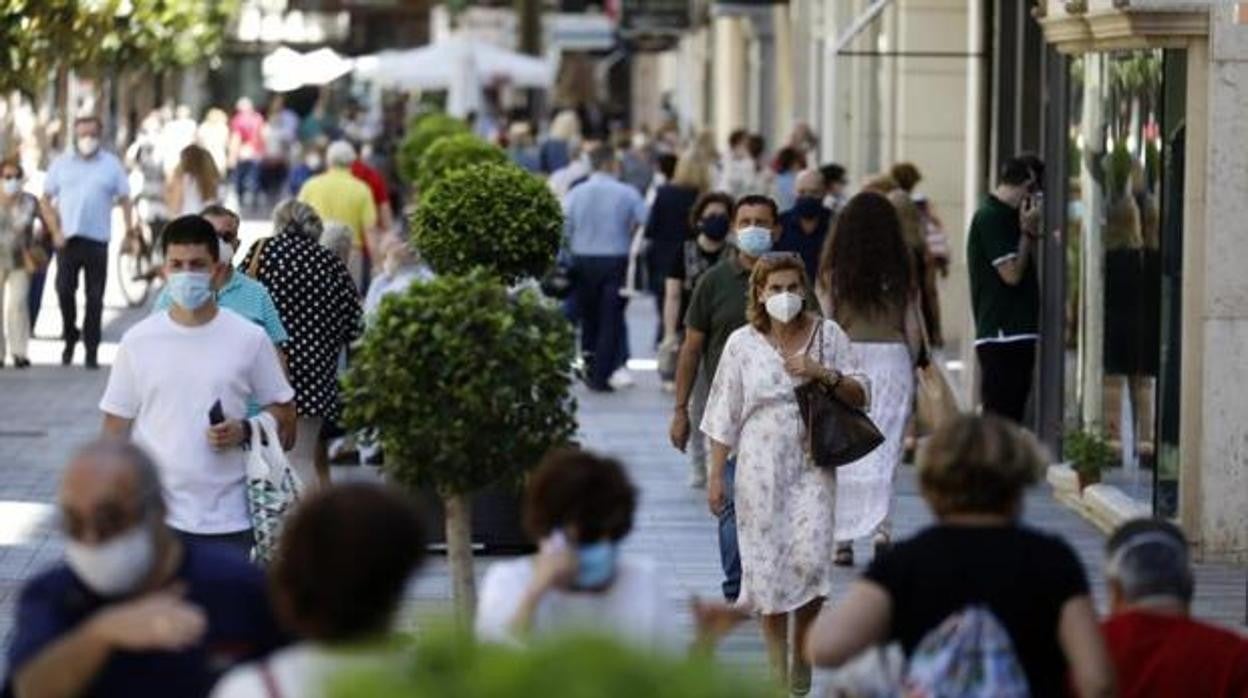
(716, 310)
(1005, 290)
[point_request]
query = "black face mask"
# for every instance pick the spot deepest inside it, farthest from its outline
(714, 227)
(808, 207)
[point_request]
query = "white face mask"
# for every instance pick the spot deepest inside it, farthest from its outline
(12, 186)
(117, 566)
(784, 306)
(87, 145)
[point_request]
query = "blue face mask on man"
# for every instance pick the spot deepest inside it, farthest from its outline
(595, 564)
(190, 289)
(754, 240)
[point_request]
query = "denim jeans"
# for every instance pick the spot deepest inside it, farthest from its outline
(729, 554)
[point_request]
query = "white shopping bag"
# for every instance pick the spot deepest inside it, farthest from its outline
(273, 487)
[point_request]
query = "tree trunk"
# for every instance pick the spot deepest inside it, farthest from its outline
(459, 553)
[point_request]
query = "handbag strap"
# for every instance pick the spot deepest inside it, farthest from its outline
(254, 267)
(925, 345)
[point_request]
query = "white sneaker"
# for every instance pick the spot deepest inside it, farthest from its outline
(622, 378)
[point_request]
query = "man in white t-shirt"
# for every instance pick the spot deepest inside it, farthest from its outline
(174, 367)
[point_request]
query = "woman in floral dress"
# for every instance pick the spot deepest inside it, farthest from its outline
(785, 517)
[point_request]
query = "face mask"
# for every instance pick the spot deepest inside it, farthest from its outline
(754, 241)
(87, 145)
(190, 289)
(12, 186)
(225, 250)
(117, 566)
(715, 227)
(807, 207)
(785, 306)
(595, 564)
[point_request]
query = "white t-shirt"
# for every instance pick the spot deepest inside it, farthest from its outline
(634, 608)
(304, 670)
(166, 378)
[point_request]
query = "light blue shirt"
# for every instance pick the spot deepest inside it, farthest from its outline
(246, 297)
(85, 190)
(599, 217)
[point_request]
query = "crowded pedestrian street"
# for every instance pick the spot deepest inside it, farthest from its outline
(681, 349)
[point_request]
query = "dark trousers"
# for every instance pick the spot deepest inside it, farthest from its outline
(729, 552)
(1006, 369)
(34, 301)
(247, 178)
(90, 258)
(601, 310)
(241, 541)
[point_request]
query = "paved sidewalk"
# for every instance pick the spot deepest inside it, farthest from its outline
(47, 411)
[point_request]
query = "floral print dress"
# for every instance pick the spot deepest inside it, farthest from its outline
(785, 504)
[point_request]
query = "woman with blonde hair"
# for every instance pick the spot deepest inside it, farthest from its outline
(784, 503)
(195, 183)
(563, 141)
(977, 556)
(668, 227)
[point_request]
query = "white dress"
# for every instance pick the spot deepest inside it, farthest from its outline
(784, 503)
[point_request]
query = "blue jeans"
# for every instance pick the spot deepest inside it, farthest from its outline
(729, 553)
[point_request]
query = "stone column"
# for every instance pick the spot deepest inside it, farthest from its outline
(729, 74)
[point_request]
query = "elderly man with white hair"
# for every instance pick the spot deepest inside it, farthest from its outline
(1157, 648)
(338, 196)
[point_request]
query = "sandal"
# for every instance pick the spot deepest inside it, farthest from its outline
(844, 556)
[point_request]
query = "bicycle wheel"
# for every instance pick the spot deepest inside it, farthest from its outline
(133, 271)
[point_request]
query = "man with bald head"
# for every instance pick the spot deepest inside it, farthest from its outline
(804, 227)
(133, 610)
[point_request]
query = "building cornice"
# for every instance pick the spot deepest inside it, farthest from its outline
(1124, 29)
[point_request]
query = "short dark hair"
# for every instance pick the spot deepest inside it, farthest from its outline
(667, 165)
(191, 229)
(788, 158)
(1149, 557)
(344, 559)
(757, 200)
(710, 197)
(907, 175)
(89, 119)
(737, 137)
(579, 489)
(1019, 170)
(756, 144)
(219, 211)
(832, 173)
(601, 156)
(14, 162)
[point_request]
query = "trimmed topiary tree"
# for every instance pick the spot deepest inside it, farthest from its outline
(451, 153)
(422, 133)
(566, 665)
(494, 216)
(467, 385)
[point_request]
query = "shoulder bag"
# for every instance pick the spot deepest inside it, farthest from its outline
(273, 487)
(253, 268)
(836, 433)
(934, 400)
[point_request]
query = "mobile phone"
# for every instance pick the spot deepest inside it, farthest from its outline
(216, 414)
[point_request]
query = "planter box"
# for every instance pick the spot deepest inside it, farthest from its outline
(496, 523)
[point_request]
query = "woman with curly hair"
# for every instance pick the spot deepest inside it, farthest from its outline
(195, 183)
(867, 284)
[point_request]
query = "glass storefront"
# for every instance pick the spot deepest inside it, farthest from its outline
(1123, 241)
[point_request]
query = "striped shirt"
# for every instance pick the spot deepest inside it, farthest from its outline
(247, 297)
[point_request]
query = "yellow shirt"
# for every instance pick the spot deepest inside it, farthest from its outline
(338, 196)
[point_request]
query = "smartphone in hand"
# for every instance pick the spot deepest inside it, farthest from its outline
(216, 414)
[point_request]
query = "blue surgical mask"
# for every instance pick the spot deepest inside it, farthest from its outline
(754, 240)
(190, 289)
(595, 564)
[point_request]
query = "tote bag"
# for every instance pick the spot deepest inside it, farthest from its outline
(273, 487)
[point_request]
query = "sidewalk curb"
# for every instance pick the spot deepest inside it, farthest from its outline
(1105, 506)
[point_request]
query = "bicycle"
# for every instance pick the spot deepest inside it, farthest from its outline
(137, 264)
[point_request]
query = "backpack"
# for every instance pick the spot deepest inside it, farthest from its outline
(969, 656)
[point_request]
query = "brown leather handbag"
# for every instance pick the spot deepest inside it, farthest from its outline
(836, 433)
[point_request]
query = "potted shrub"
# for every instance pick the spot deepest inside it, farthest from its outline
(568, 665)
(494, 216)
(468, 385)
(1089, 454)
(421, 133)
(451, 153)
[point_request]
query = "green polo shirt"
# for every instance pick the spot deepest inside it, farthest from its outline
(717, 307)
(1002, 312)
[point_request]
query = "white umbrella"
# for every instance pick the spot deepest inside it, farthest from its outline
(459, 65)
(286, 69)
